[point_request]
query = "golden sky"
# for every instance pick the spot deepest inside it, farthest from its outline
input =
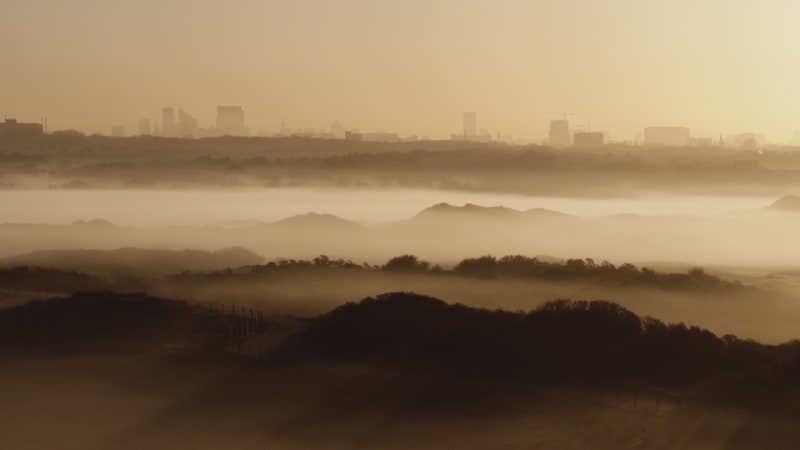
(412, 66)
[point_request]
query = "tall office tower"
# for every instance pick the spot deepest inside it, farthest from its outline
(144, 127)
(470, 124)
(230, 120)
(187, 125)
(118, 131)
(168, 122)
(337, 130)
(559, 133)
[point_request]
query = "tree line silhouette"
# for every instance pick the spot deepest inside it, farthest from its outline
(489, 267)
(594, 344)
(152, 161)
(50, 281)
(568, 341)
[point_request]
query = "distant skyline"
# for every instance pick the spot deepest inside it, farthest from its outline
(410, 67)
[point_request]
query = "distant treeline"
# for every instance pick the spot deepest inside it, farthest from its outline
(561, 341)
(567, 342)
(99, 161)
(488, 267)
(587, 269)
(36, 279)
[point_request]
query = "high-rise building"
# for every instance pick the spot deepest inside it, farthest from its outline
(144, 127)
(677, 136)
(230, 121)
(168, 122)
(337, 130)
(589, 139)
(469, 131)
(470, 124)
(559, 133)
(187, 125)
(118, 131)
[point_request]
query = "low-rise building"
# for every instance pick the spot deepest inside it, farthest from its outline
(12, 128)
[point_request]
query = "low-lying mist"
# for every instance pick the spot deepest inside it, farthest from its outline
(749, 239)
(768, 316)
(751, 307)
(442, 233)
(369, 206)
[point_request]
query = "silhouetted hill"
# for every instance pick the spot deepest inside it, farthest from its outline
(449, 233)
(788, 203)
(108, 322)
(321, 222)
(560, 341)
(136, 260)
(473, 211)
(499, 227)
(469, 210)
(237, 256)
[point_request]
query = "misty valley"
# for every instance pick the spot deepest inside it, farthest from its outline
(391, 225)
(416, 316)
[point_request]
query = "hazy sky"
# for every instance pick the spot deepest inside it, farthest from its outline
(409, 66)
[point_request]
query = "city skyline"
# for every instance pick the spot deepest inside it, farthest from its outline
(230, 120)
(409, 67)
(197, 130)
(562, 132)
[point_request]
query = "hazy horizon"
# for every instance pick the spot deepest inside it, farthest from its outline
(714, 66)
(365, 206)
(205, 258)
